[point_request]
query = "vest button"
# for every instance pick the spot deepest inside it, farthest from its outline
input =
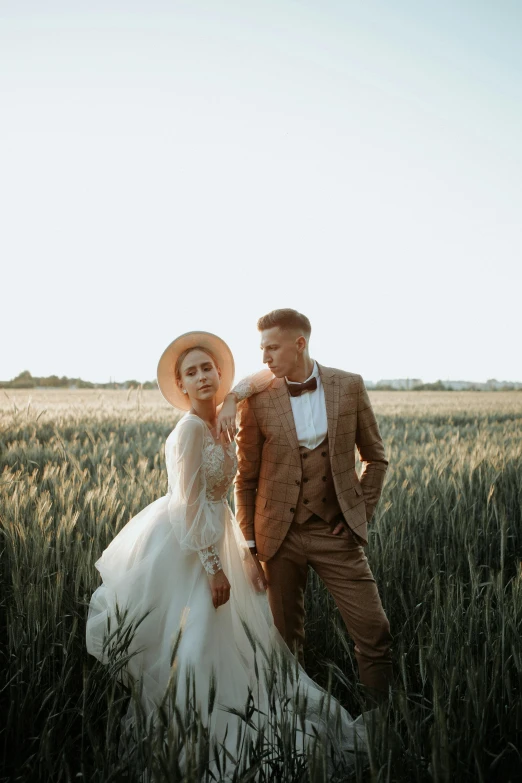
(305, 480)
(305, 502)
(292, 510)
(305, 456)
(324, 478)
(323, 454)
(297, 482)
(324, 500)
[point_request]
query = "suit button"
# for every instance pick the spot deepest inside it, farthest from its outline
(298, 482)
(305, 502)
(324, 500)
(323, 453)
(305, 480)
(324, 478)
(292, 510)
(305, 456)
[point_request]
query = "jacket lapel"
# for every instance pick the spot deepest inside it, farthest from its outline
(331, 395)
(281, 398)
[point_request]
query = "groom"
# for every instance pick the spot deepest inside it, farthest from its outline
(298, 499)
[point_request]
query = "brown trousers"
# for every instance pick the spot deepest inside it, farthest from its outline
(343, 567)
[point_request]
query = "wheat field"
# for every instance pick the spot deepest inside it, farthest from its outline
(445, 547)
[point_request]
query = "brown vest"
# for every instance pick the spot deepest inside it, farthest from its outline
(317, 493)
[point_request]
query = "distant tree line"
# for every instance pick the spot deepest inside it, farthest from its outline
(415, 384)
(436, 386)
(27, 381)
(491, 385)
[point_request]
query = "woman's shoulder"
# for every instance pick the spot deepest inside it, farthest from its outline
(189, 427)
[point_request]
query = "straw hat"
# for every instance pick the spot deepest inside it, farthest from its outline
(167, 366)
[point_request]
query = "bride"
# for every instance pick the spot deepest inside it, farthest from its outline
(180, 575)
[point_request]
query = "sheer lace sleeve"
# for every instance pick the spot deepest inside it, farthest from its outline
(253, 384)
(196, 525)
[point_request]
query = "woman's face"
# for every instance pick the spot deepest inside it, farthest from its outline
(199, 376)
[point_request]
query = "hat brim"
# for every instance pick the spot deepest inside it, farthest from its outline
(167, 366)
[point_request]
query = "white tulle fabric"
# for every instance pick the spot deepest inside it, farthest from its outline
(153, 570)
(253, 384)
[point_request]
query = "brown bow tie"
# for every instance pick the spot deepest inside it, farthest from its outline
(296, 389)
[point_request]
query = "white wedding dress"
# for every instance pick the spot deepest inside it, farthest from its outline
(156, 569)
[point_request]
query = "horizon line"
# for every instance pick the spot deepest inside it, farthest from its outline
(407, 382)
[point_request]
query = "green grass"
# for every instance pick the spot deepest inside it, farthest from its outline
(445, 548)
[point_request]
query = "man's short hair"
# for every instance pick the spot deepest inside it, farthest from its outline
(285, 319)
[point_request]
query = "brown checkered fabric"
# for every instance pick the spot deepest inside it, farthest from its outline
(343, 567)
(317, 495)
(268, 481)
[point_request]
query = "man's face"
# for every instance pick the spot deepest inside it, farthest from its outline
(281, 350)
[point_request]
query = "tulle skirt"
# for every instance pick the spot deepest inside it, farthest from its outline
(151, 589)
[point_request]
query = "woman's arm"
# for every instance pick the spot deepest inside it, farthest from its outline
(189, 512)
(252, 384)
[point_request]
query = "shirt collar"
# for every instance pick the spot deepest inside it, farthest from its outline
(315, 374)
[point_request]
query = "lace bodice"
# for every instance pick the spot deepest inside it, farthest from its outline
(219, 465)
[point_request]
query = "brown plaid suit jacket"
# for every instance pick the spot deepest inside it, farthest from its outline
(269, 462)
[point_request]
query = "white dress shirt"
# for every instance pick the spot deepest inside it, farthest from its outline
(309, 410)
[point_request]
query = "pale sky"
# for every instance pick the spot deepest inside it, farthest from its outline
(193, 164)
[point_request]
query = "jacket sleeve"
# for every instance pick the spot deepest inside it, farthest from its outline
(249, 439)
(371, 451)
